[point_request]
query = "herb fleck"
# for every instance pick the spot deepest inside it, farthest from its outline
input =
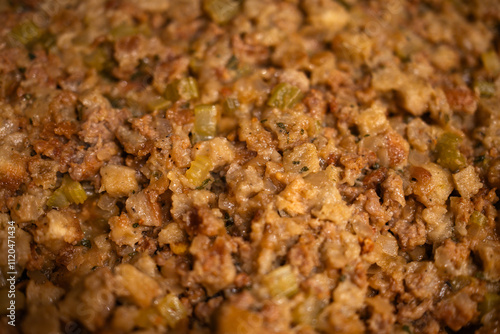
(233, 63)
(480, 158)
(135, 225)
(203, 184)
(296, 162)
(282, 126)
(304, 169)
(86, 243)
(479, 275)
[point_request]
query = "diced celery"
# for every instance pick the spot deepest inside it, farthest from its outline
(73, 191)
(69, 192)
(58, 200)
(159, 103)
(232, 63)
(486, 89)
(491, 62)
(98, 59)
(307, 311)
(284, 96)
(149, 317)
(199, 170)
(123, 30)
(205, 121)
(491, 301)
(47, 40)
(448, 153)
(221, 11)
(126, 30)
(182, 89)
(231, 105)
(172, 310)
(281, 282)
(195, 64)
(477, 218)
(26, 32)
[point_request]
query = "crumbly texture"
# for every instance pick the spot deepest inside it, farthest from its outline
(160, 181)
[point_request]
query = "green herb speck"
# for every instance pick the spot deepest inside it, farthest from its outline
(203, 184)
(480, 158)
(407, 329)
(233, 63)
(86, 243)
